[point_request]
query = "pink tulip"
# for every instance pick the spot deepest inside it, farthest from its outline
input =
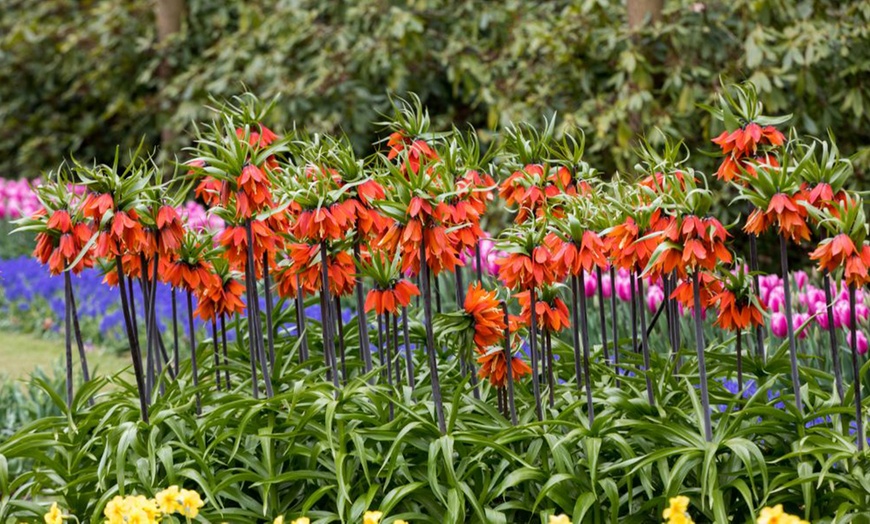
(778, 325)
(623, 288)
(862, 343)
(776, 301)
(591, 284)
(801, 279)
(606, 288)
(654, 296)
(799, 319)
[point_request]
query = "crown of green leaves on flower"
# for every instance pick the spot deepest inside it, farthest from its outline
(739, 105)
(526, 144)
(578, 214)
(431, 185)
(385, 272)
(409, 117)
(846, 217)
(819, 162)
(769, 180)
(739, 282)
(197, 246)
(128, 187)
(522, 238)
(222, 153)
(568, 152)
(678, 189)
(634, 201)
(243, 110)
(54, 194)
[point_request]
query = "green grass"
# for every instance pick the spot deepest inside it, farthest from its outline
(22, 353)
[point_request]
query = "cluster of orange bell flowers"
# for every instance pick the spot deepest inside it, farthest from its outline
(308, 218)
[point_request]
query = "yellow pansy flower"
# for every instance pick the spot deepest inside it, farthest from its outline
(559, 519)
(54, 515)
(167, 500)
(372, 517)
(776, 515)
(677, 511)
(190, 503)
(278, 520)
(301, 520)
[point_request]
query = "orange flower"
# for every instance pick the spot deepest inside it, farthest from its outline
(389, 300)
(736, 315)
(418, 150)
(95, 206)
(212, 191)
(519, 270)
(235, 240)
(324, 223)
(552, 314)
(487, 317)
(59, 251)
(589, 254)
(855, 272)
(189, 275)
(745, 141)
(790, 217)
(340, 269)
(832, 253)
(223, 297)
(710, 287)
(170, 231)
(493, 366)
(254, 191)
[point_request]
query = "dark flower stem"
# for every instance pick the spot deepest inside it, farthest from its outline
(551, 376)
(533, 349)
(409, 360)
(328, 338)
(789, 322)
(340, 339)
(83, 358)
(217, 354)
(479, 260)
(381, 357)
(832, 333)
(362, 318)
(739, 350)
(856, 369)
(430, 337)
(634, 345)
(395, 358)
(133, 340)
(176, 352)
(389, 353)
(194, 367)
(644, 340)
(267, 287)
(579, 292)
(702, 366)
(68, 338)
(753, 267)
(508, 358)
(614, 324)
(132, 311)
(254, 312)
(300, 321)
(602, 317)
(226, 355)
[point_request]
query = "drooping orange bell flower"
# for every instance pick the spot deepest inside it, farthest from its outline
(493, 367)
(418, 150)
(710, 287)
(551, 312)
(832, 253)
(591, 253)
(390, 300)
(487, 317)
(521, 271)
(734, 314)
(222, 297)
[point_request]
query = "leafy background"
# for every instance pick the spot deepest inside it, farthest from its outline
(80, 77)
